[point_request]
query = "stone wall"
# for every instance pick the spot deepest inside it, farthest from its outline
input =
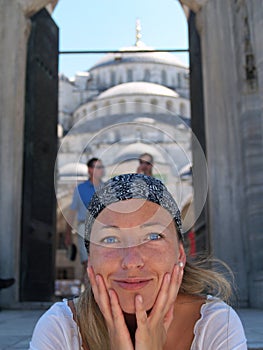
(232, 57)
(14, 32)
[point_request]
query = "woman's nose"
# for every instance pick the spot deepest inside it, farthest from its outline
(132, 258)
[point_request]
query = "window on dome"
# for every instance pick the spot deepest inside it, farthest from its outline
(164, 77)
(182, 109)
(147, 75)
(154, 104)
(94, 109)
(179, 80)
(113, 78)
(138, 106)
(169, 105)
(107, 106)
(129, 75)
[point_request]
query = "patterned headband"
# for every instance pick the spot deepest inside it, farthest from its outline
(128, 186)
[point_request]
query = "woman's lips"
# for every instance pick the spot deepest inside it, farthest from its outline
(132, 284)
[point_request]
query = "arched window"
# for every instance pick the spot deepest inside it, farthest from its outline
(112, 78)
(182, 109)
(154, 104)
(169, 105)
(147, 75)
(179, 80)
(164, 77)
(122, 106)
(138, 106)
(107, 108)
(94, 109)
(129, 75)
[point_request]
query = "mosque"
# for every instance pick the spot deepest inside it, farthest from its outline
(130, 102)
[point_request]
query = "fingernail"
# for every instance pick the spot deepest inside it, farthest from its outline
(139, 298)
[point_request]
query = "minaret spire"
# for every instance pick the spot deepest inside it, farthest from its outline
(138, 32)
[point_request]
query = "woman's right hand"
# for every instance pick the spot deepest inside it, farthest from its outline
(110, 308)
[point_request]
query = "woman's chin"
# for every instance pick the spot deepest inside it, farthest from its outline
(129, 306)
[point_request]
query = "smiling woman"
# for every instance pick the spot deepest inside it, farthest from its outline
(143, 294)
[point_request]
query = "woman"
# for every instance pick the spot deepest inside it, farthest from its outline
(143, 292)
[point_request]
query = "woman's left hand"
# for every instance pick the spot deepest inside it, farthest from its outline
(151, 333)
(108, 303)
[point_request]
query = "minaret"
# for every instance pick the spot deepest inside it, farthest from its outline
(138, 33)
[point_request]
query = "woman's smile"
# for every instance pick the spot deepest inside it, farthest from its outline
(133, 283)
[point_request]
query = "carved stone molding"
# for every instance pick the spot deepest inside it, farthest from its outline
(30, 7)
(194, 5)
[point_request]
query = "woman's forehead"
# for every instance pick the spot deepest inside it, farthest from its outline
(133, 212)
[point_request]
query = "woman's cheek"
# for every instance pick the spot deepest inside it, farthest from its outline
(101, 258)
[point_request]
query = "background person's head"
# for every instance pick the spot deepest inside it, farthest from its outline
(145, 164)
(95, 169)
(134, 229)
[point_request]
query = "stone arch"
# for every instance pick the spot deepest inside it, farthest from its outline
(154, 104)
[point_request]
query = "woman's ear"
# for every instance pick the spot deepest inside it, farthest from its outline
(182, 255)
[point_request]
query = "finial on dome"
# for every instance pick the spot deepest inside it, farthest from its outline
(138, 32)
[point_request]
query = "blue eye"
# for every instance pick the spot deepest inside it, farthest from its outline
(110, 240)
(154, 236)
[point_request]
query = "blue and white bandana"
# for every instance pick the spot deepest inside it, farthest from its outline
(128, 186)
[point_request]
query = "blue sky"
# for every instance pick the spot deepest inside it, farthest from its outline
(110, 25)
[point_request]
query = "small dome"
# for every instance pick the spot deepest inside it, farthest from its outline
(140, 88)
(74, 169)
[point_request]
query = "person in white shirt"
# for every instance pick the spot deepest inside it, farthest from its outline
(143, 294)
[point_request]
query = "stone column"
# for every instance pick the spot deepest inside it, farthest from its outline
(14, 32)
(232, 58)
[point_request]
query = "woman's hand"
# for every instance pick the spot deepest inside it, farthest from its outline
(151, 333)
(109, 306)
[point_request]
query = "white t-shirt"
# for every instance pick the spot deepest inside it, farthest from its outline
(219, 328)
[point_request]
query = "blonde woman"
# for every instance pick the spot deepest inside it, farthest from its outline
(143, 293)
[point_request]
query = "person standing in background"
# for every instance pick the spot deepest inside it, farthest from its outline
(81, 198)
(145, 164)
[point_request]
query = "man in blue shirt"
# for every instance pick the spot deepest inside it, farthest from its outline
(81, 198)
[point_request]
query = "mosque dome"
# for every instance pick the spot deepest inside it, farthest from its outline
(138, 88)
(73, 170)
(144, 54)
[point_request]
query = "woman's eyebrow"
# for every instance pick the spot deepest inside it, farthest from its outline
(108, 227)
(147, 224)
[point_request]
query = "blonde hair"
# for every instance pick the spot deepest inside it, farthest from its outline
(198, 280)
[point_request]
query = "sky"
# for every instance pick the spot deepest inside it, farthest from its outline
(110, 25)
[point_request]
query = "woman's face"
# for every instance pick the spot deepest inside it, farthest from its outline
(133, 244)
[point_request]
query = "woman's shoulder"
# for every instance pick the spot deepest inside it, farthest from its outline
(218, 323)
(56, 327)
(215, 308)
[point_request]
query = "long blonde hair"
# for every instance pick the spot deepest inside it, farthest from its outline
(197, 280)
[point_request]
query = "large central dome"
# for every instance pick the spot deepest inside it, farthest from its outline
(145, 54)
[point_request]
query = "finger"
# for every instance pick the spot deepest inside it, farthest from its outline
(176, 281)
(159, 307)
(168, 318)
(141, 315)
(116, 310)
(104, 299)
(92, 279)
(168, 292)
